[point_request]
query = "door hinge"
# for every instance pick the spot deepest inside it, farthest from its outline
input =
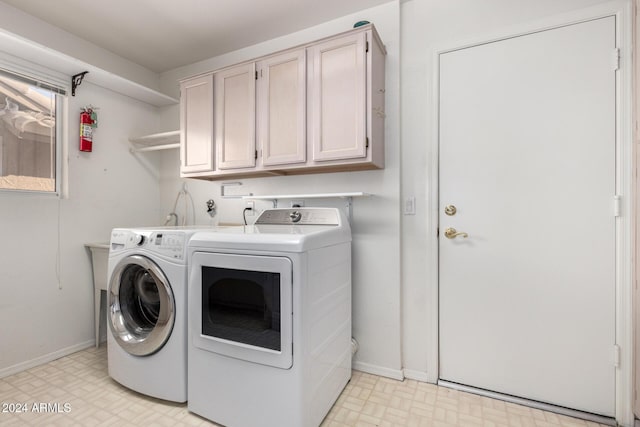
(617, 205)
(616, 356)
(256, 155)
(256, 74)
(366, 48)
(616, 59)
(366, 143)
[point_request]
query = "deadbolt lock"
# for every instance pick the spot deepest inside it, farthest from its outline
(450, 210)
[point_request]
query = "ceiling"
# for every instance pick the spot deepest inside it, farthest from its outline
(165, 34)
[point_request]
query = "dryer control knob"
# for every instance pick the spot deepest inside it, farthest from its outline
(138, 239)
(295, 216)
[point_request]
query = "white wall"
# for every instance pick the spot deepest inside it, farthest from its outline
(110, 187)
(636, 244)
(17, 23)
(376, 222)
(46, 304)
(426, 24)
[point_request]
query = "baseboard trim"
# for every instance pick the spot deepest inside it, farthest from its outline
(416, 375)
(23, 366)
(381, 371)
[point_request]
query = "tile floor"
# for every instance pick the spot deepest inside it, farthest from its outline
(80, 393)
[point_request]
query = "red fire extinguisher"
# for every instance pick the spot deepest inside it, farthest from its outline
(88, 122)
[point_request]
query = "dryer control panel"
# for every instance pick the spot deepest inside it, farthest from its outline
(302, 216)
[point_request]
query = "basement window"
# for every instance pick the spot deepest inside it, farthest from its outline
(29, 134)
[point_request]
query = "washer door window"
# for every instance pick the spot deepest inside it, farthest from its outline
(141, 306)
(242, 306)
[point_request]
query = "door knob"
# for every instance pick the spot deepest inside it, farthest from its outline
(451, 233)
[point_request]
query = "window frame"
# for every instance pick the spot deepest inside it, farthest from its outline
(59, 84)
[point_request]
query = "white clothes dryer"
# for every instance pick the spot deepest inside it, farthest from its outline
(147, 310)
(270, 319)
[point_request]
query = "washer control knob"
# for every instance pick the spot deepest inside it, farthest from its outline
(138, 239)
(295, 216)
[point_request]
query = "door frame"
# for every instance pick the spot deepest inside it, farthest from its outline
(625, 164)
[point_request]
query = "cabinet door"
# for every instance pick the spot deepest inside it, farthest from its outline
(282, 108)
(235, 108)
(338, 98)
(196, 125)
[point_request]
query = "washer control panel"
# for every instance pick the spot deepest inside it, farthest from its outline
(167, 243)
(301, 216)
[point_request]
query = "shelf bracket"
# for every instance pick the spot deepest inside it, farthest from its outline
(76, 80)
(349, 208)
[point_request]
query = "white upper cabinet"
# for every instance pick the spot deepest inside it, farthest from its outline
(196, 125)
(314, 108)
(337, 82)
(282, 108)
(235, 112)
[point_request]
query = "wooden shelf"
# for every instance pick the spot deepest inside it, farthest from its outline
(309, 196)
(156, 142)
(18, 50)
(348, 196)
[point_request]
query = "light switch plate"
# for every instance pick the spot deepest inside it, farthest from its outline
(410, 206)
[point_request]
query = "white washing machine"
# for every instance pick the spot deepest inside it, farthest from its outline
(270, 319)
(147, 310)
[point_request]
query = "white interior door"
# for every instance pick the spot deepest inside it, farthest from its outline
(527, 156)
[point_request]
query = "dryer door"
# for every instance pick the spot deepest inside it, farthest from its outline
(141, 306)
(241, 306)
